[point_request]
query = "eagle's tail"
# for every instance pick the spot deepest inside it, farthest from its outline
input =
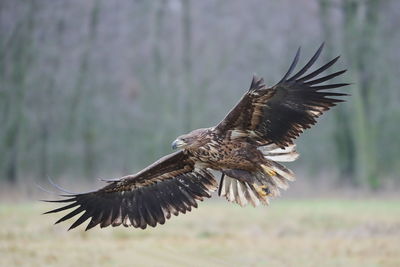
(237, 191)
(263, 184)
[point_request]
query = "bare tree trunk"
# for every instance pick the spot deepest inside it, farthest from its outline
(88, 131)
(186, 94)
(369, 82)
(156, 89)
(342, 136)
(83, 69)
(158, 63)
(81, 97)
(21, 56)
(357, 37)
(47, 108)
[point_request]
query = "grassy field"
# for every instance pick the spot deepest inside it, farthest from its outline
(288, 233)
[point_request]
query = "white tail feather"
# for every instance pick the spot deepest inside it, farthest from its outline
(283, 171)
(280, 183)
(238, 192)
(241, 194)
(275, 153)
(252, 196)
(232, 191)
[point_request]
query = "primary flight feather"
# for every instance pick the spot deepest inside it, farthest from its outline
(245, 147)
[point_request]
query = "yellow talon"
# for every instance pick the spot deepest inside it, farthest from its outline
(268, 170)
(262, 190)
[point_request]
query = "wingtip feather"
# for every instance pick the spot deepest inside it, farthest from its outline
(292, 65)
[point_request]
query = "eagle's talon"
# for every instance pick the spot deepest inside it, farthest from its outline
(267, 191)
(262, 190)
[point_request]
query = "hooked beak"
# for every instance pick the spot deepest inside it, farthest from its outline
(177, 144)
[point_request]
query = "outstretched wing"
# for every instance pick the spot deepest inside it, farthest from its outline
(168, 186)
(280, 113)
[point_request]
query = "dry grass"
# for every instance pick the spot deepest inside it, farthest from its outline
(289, 233)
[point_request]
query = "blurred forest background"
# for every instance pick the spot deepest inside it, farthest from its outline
(100, 88)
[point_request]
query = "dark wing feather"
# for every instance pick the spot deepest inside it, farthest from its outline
(280, 113)
(169, 186)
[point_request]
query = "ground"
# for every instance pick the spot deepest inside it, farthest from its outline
(319, 232)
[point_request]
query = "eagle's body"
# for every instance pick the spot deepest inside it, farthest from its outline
(245, 147)
(220, 153)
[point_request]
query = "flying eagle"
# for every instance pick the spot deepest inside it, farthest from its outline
(245, 147)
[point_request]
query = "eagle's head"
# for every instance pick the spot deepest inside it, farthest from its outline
(193, 139)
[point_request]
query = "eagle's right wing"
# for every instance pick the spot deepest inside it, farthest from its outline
(168, 186)
(280, 113)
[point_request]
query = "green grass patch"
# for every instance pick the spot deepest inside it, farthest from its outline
(288, 233)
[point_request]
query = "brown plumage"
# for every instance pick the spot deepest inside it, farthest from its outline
(245, 147)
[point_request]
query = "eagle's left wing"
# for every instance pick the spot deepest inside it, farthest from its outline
(168, 186)
(280, 113)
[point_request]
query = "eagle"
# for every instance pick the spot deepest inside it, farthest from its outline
(245, 148)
